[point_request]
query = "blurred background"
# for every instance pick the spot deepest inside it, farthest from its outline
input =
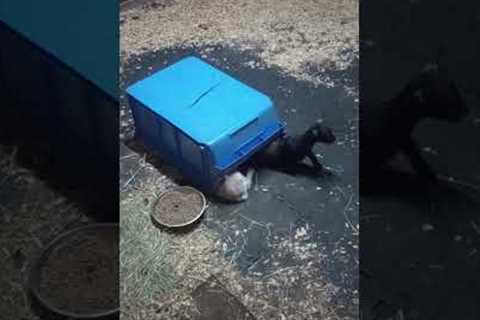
(58, 128)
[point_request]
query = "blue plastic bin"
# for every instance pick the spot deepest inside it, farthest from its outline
(201, 120)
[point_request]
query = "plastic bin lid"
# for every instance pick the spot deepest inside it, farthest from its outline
(200, 100)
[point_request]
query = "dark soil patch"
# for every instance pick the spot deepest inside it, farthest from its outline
(214, 302)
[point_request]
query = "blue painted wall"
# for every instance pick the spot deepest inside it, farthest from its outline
(82, 33)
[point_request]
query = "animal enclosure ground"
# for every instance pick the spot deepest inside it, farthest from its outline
(290, 251)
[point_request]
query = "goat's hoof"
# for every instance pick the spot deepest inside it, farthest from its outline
(323, 173)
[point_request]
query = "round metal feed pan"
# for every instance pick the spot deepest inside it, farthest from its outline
(179, 207)
(35, 274)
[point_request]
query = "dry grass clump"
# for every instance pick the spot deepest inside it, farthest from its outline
(144, 269)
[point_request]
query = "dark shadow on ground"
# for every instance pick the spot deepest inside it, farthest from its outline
(419, 253)
(226, 305)
(81, 185)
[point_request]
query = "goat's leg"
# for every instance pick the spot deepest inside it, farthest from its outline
(317, 165)
(320, 170)
(421, 167)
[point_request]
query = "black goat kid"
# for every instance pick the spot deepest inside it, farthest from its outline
(386, 129)
(288, 151)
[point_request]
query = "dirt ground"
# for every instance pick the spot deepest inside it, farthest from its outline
(32, 214)
(291, 251)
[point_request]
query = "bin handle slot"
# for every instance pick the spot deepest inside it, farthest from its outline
(251, 122)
